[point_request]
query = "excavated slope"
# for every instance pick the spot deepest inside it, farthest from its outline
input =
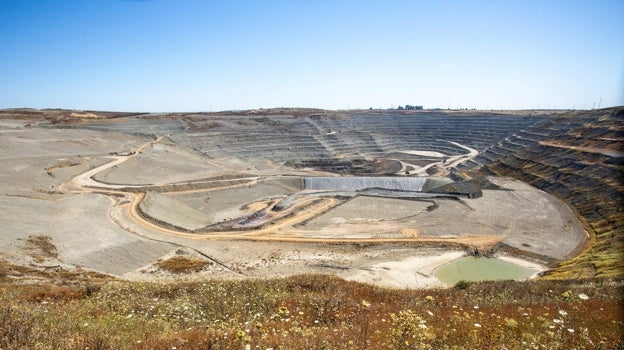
(578, 157)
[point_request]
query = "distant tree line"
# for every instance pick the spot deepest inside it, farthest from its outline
(409, 107)
(404, 108)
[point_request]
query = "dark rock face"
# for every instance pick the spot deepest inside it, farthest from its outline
(578, 157)
(471, 188)
(356, 166)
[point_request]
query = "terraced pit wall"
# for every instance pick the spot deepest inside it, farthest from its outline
(578, 157)
(325, 137)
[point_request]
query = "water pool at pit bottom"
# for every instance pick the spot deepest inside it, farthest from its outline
(474, 269)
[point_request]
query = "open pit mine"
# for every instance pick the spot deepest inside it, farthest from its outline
(382, 197)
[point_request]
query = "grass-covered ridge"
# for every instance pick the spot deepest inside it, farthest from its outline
(311, 312)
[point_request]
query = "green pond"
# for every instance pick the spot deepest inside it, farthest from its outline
(471, 268)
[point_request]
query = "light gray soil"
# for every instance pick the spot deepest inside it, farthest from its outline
(94, 227)
(525, 217)
(167, 162)
(219, 205)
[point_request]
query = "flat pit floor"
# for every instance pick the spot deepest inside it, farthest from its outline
(521, 215)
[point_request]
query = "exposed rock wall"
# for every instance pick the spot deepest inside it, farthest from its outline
(578, 157)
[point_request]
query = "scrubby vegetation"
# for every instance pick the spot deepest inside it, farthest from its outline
(40, 248)
(182, 264)
(312, 312)
(267, 121)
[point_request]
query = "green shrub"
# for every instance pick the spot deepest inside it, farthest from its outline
(462, 284)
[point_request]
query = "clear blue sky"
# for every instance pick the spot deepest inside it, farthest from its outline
(187, 55)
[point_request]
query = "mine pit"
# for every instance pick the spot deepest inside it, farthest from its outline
(244, 189)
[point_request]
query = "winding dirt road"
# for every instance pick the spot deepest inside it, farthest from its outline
(443, 165)
(125, 206)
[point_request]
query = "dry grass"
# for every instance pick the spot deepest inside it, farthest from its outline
(40, 248)
(181, 264)
(313, 312)
(11, 273)
(54, 293)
